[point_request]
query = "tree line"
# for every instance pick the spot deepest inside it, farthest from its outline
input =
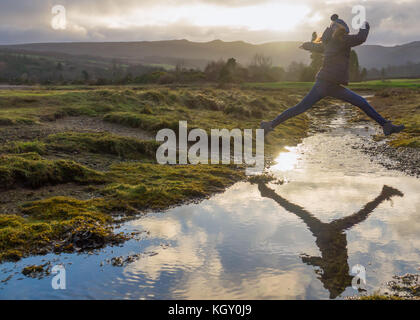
(29, 69)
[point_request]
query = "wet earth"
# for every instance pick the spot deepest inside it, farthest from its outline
(77, 124)
(331, 211)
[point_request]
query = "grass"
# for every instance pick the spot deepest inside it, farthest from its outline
(380, 297)
(402, 106)
(30, 170)
(64, 224)
(57, 224)
(101, 143)
(396, 99)
(365, 85)
(149, 186)
(155, 108)
(142, 121)
(133, 184)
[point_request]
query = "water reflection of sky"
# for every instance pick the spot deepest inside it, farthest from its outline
(227, 250)
(241, 245)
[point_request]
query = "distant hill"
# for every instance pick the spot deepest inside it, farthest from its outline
(374, 56)
(197, 54)
(17, 65)
(190, 54)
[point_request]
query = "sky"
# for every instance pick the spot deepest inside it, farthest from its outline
(255, 21)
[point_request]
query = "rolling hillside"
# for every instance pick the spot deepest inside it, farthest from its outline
(197, 54)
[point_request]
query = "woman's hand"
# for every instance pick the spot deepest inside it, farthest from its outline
(306, 46)
(366, 25)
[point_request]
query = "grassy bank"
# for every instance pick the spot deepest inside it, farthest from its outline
(401, 287)
(397, 100)
(115, 175)
(401, 106)
(365, 85)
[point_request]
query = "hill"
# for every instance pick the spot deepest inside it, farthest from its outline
(197, 54)
(187, 53)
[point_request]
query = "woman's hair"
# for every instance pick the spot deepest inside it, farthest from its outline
(339, 31)
(335, 32)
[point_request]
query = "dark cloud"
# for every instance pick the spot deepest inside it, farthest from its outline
(23, 21)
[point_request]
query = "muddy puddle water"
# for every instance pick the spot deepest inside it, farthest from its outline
(297, 240)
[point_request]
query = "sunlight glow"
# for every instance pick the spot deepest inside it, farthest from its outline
(286, 161)
(271, 16)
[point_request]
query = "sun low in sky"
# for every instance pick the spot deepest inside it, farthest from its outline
(254, 21)
(273, 16)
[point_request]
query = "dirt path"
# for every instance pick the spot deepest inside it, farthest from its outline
(78, 124)
(90, 124)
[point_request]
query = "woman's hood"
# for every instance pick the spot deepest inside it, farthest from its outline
(327, 35)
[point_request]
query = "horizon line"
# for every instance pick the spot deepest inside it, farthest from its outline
(202, 42)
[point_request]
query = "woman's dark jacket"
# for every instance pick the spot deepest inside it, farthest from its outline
(335, 67)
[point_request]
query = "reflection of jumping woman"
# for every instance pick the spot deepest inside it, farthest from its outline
(335, 44)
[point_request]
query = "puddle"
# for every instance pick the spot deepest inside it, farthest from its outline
(299, 240)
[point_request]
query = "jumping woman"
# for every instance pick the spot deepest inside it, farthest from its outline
(335, 45)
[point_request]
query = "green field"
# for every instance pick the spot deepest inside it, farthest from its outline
(73, 159)
(366, 85)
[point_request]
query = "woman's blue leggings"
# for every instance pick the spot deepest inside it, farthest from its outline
(323, 89)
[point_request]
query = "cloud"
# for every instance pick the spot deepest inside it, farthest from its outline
(254, 21)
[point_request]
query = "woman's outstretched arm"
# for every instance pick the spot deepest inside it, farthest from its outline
(313, 47)
(354, 40)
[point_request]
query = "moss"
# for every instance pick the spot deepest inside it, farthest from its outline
(24, 147)
(57, 224)
(64, 224)
(156, 96)
(35, 271)
(63, 208)
(150, 186)
(13, 120)
(411, 142)
(380, 297)
(102, 143)
(32, 171)
(200, 101)
(142, 121)
(402, 106)
(158, 108)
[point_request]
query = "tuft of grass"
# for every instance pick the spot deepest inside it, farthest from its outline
(9, 120)
(130, 187)
(150, 186)
(58, 224)
(30, 170)
(143, 121)
(24, 147)
(200, 101)
(102, 143)
(401, 106)
(380, 297)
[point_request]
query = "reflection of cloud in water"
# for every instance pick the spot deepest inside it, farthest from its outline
(185, 255)
(267, 285)
(200, 244)
(240, 245)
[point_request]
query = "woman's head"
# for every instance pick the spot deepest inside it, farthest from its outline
(338, 27)
(335, 31)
